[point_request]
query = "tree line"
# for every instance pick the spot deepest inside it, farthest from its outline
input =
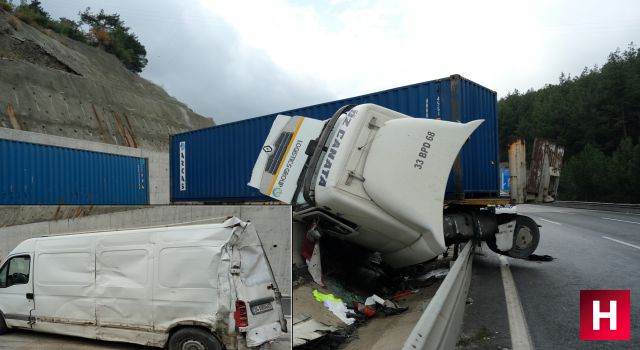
(596, 117)
(106, 31)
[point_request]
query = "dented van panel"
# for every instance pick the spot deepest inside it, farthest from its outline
(138, 286)
(254, 282)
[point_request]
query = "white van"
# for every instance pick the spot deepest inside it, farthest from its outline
(204, 286)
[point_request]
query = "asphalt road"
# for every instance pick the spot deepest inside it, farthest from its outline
(25, 340)
(550, 291)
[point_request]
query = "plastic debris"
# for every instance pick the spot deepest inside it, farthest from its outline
(322, 297)
(373, 300)
(314, 265)
(309, 329)
(340, 310)
(368, 311)
(335, 305)
(391, 311)
(374, 303)
(389, 308)
(438, 273)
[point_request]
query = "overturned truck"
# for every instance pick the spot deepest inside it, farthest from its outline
(377, 178)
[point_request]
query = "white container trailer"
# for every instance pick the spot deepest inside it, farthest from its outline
(185, 287)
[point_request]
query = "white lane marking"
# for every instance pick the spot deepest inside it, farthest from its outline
(553, 222)
(621, 242)
(520, 339)
(631, 222)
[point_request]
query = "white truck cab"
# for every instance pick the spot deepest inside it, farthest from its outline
(204, 286)
(377, 178)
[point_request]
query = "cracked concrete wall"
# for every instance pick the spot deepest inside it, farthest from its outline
(273, 224)
(51, 84)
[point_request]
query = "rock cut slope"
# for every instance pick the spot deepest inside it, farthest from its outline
(54, 85)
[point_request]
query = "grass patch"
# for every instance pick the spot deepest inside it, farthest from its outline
(5, 6)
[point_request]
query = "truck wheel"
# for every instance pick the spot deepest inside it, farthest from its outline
(526, 237)
(3, 325)
(193, 339)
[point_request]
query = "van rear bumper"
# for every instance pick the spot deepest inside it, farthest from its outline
(263, 334)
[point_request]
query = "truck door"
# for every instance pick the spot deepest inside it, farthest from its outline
(16, 291)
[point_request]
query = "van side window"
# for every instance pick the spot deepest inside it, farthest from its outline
(15, 271)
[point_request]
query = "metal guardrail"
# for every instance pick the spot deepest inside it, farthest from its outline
(440, 324)
(619, 207)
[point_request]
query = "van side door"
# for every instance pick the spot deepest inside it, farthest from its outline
(16, 291)
(64, 285)
(124, 280)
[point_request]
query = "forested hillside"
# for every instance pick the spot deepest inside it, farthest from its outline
(596, 116)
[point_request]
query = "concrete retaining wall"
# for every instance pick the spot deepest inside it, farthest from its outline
(26, 214)
(273, 224)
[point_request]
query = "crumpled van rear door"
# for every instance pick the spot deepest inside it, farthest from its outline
(258, 308)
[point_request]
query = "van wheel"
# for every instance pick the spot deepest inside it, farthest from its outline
(193, 339)
(3, 325)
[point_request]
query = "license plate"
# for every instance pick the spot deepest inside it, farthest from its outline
(258, 309)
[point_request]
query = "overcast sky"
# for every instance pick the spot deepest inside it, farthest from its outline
(232, 60)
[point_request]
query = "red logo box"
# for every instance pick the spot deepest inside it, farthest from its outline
(605, 315)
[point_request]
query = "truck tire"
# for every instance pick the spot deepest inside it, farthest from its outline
(526, 237)
(193, 339)
(3, 325)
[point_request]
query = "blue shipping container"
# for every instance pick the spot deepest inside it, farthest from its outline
(35, 174)
(216, 162)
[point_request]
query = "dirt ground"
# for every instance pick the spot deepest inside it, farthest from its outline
(25, 340)
(379, 332)
(304, 305)
(390, 332)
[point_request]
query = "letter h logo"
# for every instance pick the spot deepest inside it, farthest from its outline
(605, 315)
